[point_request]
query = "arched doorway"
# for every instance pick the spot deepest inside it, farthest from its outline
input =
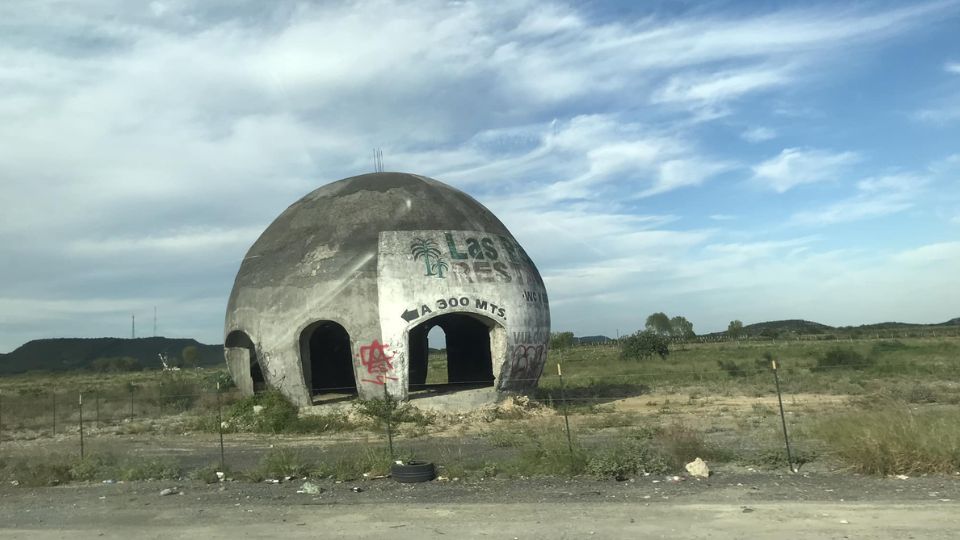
(468, 359)
(243, 363)
(327, 359)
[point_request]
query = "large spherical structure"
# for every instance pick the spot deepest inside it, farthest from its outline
(338, 294)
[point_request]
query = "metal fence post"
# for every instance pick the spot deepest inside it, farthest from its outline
(387, 403)
(566, 418)
(97, 403)
(783, 418)
(220, 427)
(54, 412)
(80, 407)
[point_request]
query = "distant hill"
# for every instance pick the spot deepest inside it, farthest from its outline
(65, 354)
(802, 327)
(591, 340)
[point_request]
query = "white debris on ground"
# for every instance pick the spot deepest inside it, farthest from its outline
(698, 469)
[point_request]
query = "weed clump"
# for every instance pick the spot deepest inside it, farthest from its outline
(894, 439)
(627, 458)
(382, 410)
(842, 358)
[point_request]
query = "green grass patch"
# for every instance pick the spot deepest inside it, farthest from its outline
(894, 439)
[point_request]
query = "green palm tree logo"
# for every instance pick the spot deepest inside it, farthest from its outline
(426, 249)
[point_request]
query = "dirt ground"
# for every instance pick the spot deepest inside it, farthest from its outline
(737, 503)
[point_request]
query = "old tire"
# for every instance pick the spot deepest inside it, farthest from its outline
(413, 471)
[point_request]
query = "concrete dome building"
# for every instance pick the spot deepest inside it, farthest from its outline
(338, 294)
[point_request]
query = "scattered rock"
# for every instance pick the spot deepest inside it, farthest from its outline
(902, 477)
(257, 409)
(109, 482)
(220, 476)
(697, 468)
(357, 489)
(169, 491)
(310, 488)
(272, 481)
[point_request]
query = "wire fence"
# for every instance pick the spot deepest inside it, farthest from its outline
(752, 411)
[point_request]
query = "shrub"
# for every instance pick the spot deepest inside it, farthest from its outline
(278, 414)
(643, 345)
(149, 469)
(627, 458)
(550, 455)
(679, 445)
(561, 340)
(893, 439)
(842, 358)
(178, 391)
(281, 462)
(380, 410)
(116, 364)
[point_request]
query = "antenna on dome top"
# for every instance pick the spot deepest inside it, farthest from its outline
(377, 160)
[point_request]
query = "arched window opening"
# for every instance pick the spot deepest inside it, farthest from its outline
(451, 352)
(327, 360)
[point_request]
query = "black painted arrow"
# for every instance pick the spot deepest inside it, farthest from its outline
(410, 315)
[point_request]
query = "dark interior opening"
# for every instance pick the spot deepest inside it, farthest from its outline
(468, 359)
(259, 384)
(327, 359)
(240, 339)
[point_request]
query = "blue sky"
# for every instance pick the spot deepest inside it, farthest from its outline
(714, 160)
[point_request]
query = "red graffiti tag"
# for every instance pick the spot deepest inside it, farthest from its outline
(374, 357)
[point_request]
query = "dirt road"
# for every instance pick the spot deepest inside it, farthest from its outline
(741, 505)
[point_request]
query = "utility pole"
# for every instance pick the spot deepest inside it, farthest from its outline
(154, 321)
(133, 326)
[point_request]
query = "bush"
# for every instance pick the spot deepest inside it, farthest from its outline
(643, 345)
(278, 414)
(628, 458)
(178, 391)
(561, 340)
(893, 439)
(282, 462)
(116, 364)
(679, 445)
(842, 358)
(380, 410)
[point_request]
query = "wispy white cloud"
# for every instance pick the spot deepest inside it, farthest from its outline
(717, 87)
(134, 132)
(952, 67)
(758, 134)
(797, 166)
(876, 197)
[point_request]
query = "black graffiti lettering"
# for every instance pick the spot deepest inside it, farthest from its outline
(519, 270)
(424, 309)
(501, 269)
(462, 271)
(474, 249)
(441, 304)
(502, 313)
(488, 249)
(483, 272)
(480, 304)
(508, 247)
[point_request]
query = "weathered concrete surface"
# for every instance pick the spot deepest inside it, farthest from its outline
(382, 255)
